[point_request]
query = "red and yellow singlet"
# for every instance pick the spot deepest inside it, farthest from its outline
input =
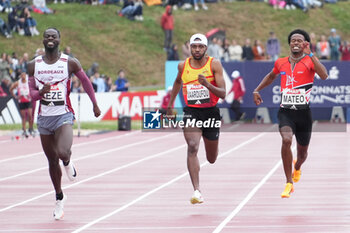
(195, 94)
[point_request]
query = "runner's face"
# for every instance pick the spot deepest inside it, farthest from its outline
(198, 51)
(297, 43)
(51, 40)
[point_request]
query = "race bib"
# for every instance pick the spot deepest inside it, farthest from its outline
(293, 97)
(57, 93)
(197, 94)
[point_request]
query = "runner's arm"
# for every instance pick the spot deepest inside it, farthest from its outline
(176, 86)
(219, 90)
(77, 70)
(267, 80)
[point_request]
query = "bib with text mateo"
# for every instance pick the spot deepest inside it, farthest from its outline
(294, 98)
(197, 94)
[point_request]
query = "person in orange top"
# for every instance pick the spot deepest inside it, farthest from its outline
(201, 78)
(297, 76)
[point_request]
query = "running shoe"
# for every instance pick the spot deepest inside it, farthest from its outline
(296, 173)
(287, 190)
(197, 197)
(70, 170)
(58, 212)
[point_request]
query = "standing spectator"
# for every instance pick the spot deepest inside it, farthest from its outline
(313, 42)
(247, 51)
(68, 51)
(214, 49)
(23, 63)
(100, 82)
(24, 102)
(323, 48)
(226, 53)
(258, 51)
(167, 23)
(238, 89)
(334, 43)
(93, 69)
(173, 54)
(108, 83)
(235, 51)
(4, 67)
(345, 51)
(186, 50)
(121, 84)
(273, 47)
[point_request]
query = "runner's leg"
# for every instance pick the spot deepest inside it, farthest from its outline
(49, 147)
(193, 137)
(286, 151)
(211, 149)
(64, 141)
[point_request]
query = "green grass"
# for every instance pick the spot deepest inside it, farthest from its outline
(96, 33)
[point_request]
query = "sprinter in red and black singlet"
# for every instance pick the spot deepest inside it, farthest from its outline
(201, 78)
(297, 76)
(49, 82)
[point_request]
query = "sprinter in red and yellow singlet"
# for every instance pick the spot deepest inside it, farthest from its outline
(202, 82)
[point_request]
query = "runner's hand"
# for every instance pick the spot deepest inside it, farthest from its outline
(169, 114)
(202, 80)
(97, 110)
(257, 98)
(307, 47)
(46, 89)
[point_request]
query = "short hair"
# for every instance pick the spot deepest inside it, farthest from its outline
(53, 28)
(299, 31)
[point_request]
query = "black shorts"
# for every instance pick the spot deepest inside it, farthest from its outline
(300, 121)
(208, 115)
(26, 105)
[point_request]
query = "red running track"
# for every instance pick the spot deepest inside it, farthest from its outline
(137, 182)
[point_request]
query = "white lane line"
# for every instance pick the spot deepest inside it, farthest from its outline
(87, 156)
(248, 197)
(74, 145)
(161, 187)
(96, 176)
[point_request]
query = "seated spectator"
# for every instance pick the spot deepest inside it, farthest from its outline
(14, 22)
(29, 23)
(196, 8)
(121, 84)
(5, 5)
(39, 6)
(173, 54)
(277, 4)
(132, 10)
(4, 29)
